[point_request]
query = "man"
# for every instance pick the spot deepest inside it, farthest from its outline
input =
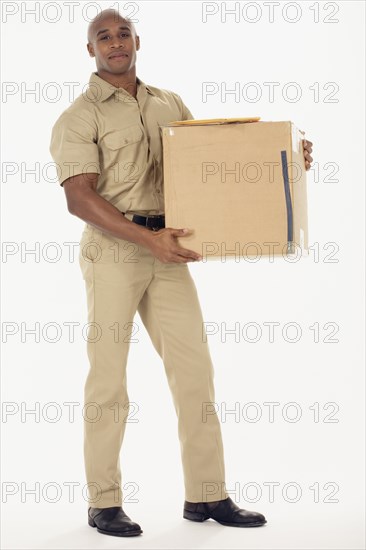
(107, 147)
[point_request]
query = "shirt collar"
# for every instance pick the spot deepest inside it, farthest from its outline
(100, 89)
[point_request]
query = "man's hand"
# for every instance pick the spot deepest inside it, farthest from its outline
(164, 246)
(308, 148)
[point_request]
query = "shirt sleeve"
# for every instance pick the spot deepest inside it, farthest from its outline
(186, 113)
(73, 146)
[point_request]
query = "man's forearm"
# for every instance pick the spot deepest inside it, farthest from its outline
(97, 211)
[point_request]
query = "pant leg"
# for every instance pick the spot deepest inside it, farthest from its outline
(171, 313)
(115, 282)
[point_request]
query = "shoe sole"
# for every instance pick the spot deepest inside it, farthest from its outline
(255, 524)
(192, 516)
(115, 533)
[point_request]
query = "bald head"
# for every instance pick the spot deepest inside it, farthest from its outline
(104, 16)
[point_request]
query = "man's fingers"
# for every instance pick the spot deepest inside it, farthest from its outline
(308, 148)
(177, 258)
(179, 232)
(308, 157)
(186, 253)
(308, 145)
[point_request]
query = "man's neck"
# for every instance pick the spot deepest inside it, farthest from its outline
(126, 81)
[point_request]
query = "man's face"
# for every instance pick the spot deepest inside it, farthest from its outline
(114, 45)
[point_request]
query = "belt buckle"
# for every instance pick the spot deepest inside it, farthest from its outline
(153, 227)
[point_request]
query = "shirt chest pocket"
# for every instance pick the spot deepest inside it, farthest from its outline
(117, 139)
(126, 145)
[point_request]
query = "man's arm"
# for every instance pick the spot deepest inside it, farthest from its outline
(84, 202)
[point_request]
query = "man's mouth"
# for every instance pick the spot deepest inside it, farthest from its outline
(118, 55)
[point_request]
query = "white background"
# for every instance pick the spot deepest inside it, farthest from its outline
(180, 52)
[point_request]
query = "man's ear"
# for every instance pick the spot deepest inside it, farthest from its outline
(90, 50)
(137, 42)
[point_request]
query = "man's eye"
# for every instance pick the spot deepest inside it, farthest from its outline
(122, 34)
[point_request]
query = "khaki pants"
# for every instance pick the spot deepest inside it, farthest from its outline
(121, 278)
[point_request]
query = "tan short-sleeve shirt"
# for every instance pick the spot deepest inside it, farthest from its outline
(108, 131)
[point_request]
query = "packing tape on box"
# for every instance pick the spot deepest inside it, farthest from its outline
(286, 182)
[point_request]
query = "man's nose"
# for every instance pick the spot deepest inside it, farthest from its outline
(117, 43)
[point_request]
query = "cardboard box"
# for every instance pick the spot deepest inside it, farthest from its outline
(240, 184)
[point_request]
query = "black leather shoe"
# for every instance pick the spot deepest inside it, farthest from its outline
(225, 512)
(113, 521)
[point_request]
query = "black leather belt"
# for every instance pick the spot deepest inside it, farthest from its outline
(153, 222)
